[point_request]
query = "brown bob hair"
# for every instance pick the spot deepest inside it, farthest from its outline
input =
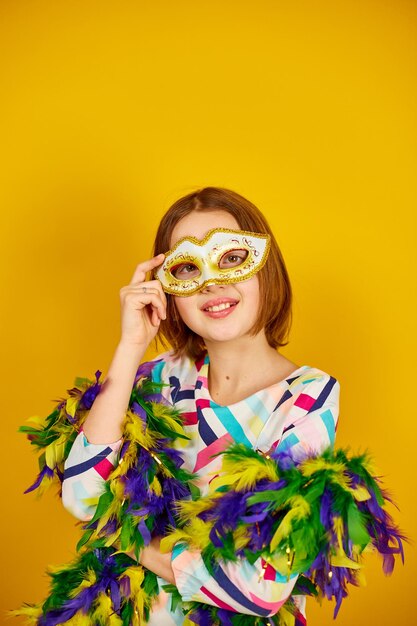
(275, 314)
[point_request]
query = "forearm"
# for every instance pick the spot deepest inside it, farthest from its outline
(105, 419)
(154, 560)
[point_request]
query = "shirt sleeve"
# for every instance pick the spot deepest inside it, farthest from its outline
(89, 465)
(86, 469)
(308, 427)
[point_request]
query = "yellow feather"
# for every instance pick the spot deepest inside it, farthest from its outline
(160, 411)
(31, 612)
(137, 432)
(45, 485)
(245, 476)
(36, 419)
(112, 538)
(117, 488)
(79, 619)
(241, 538)
(90, 578)
(360, 578)
(137, 594)
(103, 612)
(360, 493)
(280, 563)
(195, 534)
(155, 486)
(286, 618)
(310, 466)
(340, 559)
(71, 405)
(187, 509)
(300, 508)
(136, 576)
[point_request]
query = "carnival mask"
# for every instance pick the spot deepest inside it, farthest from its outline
(224, 256)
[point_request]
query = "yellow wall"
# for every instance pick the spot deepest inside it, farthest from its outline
(109, 112)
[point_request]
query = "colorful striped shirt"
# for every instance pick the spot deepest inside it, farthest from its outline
(299, 412)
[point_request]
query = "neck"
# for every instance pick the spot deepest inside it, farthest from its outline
(236, 365)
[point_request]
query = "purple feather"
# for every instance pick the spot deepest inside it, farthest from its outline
(201, 617)
(139, 411)
(91, 393)
(125, 586)
(145, 369)
(143, 529)
(225, 617)
(46, 472)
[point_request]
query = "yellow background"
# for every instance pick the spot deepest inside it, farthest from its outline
(112, 110)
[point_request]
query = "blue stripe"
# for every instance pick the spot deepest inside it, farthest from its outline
(86, 465)
(206, 433)
(231, 424)
(288, 442)
(287, 394)
(185, 394)
(324, 395)
(178, 549)
(287, 428)
(328, 421)
(235, 593)
(156, 371)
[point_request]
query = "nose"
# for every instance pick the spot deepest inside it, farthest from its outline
(208, 287)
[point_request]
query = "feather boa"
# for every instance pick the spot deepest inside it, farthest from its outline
(313, 517)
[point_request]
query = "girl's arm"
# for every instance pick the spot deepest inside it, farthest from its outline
(89, 465)
(143, 306)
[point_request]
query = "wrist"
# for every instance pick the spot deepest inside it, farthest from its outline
(131, 349)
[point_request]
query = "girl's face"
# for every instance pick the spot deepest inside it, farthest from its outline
(217, 313)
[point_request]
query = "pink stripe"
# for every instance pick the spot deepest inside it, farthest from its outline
(199, 364)
(201, 403)
(269, 573)
(219, 603)
(301, 618)
(271, 606)
(104, 468)
(304, 401)
(190, 419)
(203, 457)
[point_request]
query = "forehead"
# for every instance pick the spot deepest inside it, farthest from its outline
(198, 223)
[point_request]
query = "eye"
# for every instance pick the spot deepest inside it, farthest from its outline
(184, 271)
(233, 258)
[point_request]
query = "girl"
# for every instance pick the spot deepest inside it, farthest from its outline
(219, 294)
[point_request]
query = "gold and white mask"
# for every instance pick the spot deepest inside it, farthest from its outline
(223, 257)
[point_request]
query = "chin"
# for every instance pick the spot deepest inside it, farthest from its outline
(226, 335)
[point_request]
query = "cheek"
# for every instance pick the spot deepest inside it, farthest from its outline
(183, 307)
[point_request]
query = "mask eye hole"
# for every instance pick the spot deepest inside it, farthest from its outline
(185, 271)
(233, 258)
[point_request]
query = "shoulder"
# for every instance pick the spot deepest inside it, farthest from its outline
(306, 415)
(312, 388)
(167, 366)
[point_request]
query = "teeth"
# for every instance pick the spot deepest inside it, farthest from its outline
(219, 307)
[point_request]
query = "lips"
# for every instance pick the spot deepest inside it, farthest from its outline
(219, 306)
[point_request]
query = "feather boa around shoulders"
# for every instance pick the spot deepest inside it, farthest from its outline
(313, 517)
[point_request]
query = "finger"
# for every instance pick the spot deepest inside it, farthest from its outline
(144, 298)
(151, 286)
(156, 284)
(156, 320)
(139, 274)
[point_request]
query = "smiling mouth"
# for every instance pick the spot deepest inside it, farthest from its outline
(220, 307)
